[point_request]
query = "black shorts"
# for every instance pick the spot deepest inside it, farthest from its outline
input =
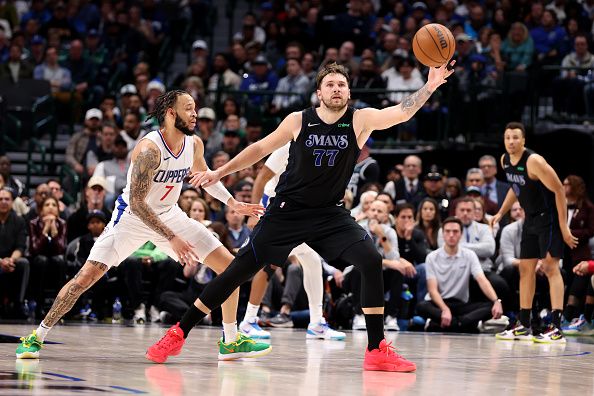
(541, 235)
(286, 225)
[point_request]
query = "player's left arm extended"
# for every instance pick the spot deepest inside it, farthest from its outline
(374, 119)
(540, 168)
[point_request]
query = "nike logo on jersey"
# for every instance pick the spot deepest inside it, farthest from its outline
(309, 124)
(165, 159)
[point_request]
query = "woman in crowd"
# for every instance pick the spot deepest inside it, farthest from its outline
(428, 221)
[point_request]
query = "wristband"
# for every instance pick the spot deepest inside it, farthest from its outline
(591, 266)
(219, 192)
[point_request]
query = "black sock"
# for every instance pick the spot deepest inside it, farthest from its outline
(570, 312)
(588, 311)
(375, 330)
(192, 316)
(556, 318)
(525, 317)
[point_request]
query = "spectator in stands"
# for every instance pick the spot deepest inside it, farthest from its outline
(296, 83)
(222, 77)
(428, 221)
(15, 184)
(368, 78)
(353, 26)
(366, 171)
(230, 107)
(581, 223)
(253, 131)
(55, 191)
(385, 198)
(94, 199)
(38, 12)
(188, 195)
(82, 142)
(532, 20)
(448, 273)
(238, 230)
(59, 24)
(492, 189)
(132, 131)
(18, 205)
(212, 140)
(82, 72)
(359, 212)
(14, 268)
(406, 80)
(200, 211)
(37, 50)
(232, 136)
(433, 185)
(517, 49)
(568, 88)
(42, 191)
(411, 241)
(250, 31)
(549, 39)
(104, 152)
(47, 245)
(476, 20)
(261, 78)
(159, 270)
(114, 171)
(16, 68)
(59, 77)
(453, 190)
(479, 238)
(242, 191)
(475, 178)
(409, 188)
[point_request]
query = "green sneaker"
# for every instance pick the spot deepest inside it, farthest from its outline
(242, 347)
(29, 348)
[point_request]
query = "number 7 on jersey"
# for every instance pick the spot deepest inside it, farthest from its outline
(168, 188)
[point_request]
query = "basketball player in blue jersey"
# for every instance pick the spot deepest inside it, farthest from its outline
(537, 187)
(324, 146)
(147, 211)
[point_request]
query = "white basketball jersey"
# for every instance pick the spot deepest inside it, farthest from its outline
(168, 178)
(277, 163)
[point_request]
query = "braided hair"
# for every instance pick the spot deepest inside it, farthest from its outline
(163, 102)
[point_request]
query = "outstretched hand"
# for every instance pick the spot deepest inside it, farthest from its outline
(205, 179)
(439, 75)
(247, 209)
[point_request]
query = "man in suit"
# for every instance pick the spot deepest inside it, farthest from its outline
(495, 190)
(410, 189)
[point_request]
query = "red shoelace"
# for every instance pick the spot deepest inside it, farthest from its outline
(168, 339)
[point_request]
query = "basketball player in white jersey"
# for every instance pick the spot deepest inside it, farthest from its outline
(147, 211)
(310, 262)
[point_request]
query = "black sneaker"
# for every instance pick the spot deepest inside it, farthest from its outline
(281, 320)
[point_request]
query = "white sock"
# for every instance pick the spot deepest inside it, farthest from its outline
(230, 330)
(251, 312)
(315, 314)
(42, 331)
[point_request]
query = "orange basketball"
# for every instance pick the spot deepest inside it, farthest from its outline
(434, 45)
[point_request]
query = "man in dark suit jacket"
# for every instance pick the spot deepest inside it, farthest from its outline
(410, 188)
(495, 190)
(15, 69)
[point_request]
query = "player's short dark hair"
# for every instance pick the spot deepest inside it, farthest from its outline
(404, 206)
(164, 102)
(331, 68)
(516, 125)
(452, 219)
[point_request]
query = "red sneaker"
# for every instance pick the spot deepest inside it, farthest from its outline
(385, 359)
(169, 345)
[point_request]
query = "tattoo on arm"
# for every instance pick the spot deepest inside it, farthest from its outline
(143, 171)
(71, 292)
(412, 103)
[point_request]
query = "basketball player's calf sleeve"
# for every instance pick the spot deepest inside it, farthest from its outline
(365, 257)
(313, 284)
(241, 269)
